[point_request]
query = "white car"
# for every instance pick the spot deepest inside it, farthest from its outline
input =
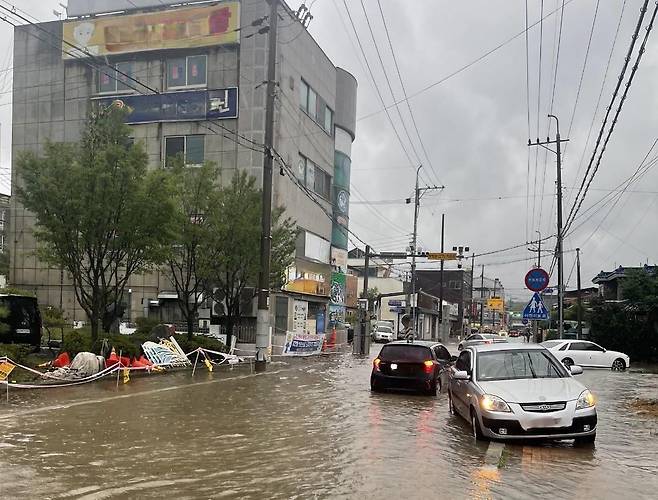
(585, 353)
(520, 391)
(383, 333)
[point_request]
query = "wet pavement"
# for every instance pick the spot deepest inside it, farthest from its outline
(305, 429)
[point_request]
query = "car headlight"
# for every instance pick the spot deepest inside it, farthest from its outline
(585, 400)
(494, 403)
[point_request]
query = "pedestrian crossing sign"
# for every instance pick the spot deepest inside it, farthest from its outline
(535, 309)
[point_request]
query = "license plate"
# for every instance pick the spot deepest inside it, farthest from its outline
(394, 366)
(546, 422)
(23, 331)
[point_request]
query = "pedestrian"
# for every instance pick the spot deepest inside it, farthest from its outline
(527, 335)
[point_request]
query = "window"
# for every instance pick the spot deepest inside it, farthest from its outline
(315, 107)
(408, 353)
(314, 177)
(594, 347)
(328, 119)
(441, 353)
(190, 71)
(464, 362)
(512, 365)
(191, 147)
(115, 78)
(578, 346)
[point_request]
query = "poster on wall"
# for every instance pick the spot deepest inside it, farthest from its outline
(338, 284)
(299, 315)
(182, 28)
(336, 315)
(302, 345)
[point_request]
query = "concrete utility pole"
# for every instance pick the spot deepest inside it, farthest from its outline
(470, 298)
(481, 300)
(560, 233)
(493, 311)
(443, 227)
(580, 302)
(418, 192)
(263, 338)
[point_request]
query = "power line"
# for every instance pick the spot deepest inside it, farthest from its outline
(406, 96)
(577, 203)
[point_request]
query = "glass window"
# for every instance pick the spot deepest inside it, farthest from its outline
(322, 183)
(328, 119)
(106, 80)
(578, 346)
(594, 347)
(509, 365)
(174, 146)
(312, 103)
(303, 95)
(124, 74)
(441, 353)
(300, 173)
(194, 149)
(464, 362)
(310, 174)
(176, 72)
(405, 352)
(196, 70)
(191, 147)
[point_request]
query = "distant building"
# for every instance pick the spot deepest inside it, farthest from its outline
(610, 281)
(456, 290)
(4, 221)
(586, 295)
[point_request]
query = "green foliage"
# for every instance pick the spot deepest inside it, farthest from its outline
(145, 325)
(4, 314)
(189, 345)
(53, 317)
(76, 341)
(372, 295)
(99, 214)
(196, 195)
(234, 263)
(640, 288)
(16, 291)
(4, 262)
(15, 352)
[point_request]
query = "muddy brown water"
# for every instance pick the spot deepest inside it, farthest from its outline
(305, 429)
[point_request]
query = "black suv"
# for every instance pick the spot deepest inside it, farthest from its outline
(410, 365)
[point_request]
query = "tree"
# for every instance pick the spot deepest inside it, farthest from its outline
(99, 214)
(234, 262)
(196, 194)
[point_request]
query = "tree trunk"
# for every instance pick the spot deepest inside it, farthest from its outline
(94, 329)
(190, 325)
(229, 331)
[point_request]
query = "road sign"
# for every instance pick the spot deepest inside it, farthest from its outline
(496, 304)
(442, 256)
(395, 303)
(5, 369)
(536, 279)
(525, 321)
(535, 309)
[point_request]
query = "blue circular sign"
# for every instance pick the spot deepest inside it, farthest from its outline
(536, 279)
(525, 321)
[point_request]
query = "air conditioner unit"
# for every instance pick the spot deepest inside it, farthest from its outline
(218, 308)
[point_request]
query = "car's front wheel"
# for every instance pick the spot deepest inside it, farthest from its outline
(619, 365)
(585, 439)
(477, 430)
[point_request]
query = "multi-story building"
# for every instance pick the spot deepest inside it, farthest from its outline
(194, 79)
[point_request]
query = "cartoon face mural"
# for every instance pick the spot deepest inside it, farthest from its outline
(83, 33)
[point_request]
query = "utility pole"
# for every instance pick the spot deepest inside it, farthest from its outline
(481, 300)
(418, 192)
(263, 338)
(470, 298)
(560, 233)
(493, 311)
(443, 224)
(580, 302)
(538, 249)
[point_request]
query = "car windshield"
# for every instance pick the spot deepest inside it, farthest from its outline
(383, 328)
(409, 353)
(549, 344)
(517, 364)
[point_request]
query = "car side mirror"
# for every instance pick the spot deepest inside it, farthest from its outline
(576, 370)
(461, 375)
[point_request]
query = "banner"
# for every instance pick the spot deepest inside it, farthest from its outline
(192, 105)
(182, 28)
(302, 345)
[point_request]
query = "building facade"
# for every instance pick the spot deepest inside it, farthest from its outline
(610, 282)
(194, 79)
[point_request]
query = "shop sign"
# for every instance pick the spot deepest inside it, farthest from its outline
(217, 24)
(299, 316)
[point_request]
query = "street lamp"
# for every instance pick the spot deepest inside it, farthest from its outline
(493, 311)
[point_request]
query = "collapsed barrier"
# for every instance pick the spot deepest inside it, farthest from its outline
(179, 360)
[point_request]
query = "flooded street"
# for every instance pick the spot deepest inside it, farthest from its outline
(304, 429)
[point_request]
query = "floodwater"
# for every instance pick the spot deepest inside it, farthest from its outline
(304, 429)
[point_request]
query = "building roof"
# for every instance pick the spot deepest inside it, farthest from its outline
(620, 272)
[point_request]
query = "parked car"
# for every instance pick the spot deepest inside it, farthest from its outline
(23, 320)
(519, 391)
(480, 338)
(383, 333)
(502, 333)
(585, 353)
(417, 365)
(513, 333)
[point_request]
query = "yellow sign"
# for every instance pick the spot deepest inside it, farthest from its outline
(442, 256)
(172, 29)
(5, 369)
(496, 304)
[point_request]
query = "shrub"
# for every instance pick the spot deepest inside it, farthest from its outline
(200, 341)
(76, 341)
(15, 352)
(145, 325)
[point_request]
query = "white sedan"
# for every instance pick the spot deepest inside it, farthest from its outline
(585, 353)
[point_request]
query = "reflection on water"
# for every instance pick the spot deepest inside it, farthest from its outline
(304, 429)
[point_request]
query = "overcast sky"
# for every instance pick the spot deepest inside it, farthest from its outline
(474, 127)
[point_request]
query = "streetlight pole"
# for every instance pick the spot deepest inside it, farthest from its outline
(413, 257)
